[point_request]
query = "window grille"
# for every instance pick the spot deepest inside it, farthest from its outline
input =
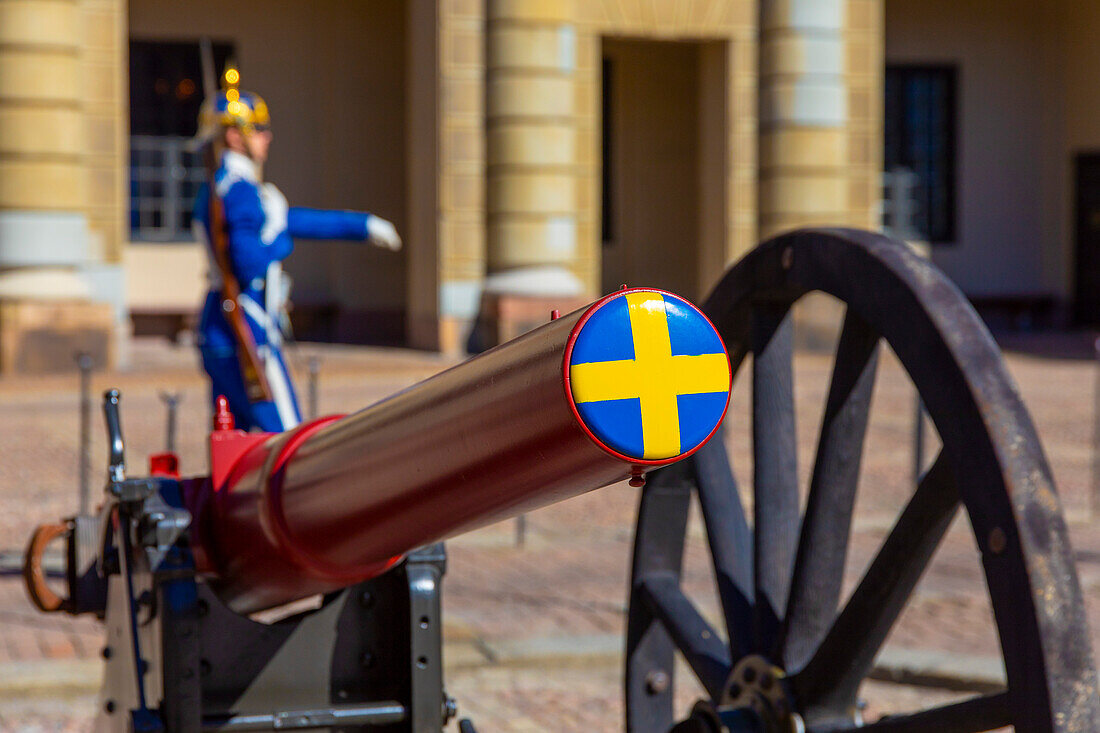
(920, 135)
(165, 175)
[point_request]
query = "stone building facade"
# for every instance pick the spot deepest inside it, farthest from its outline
(530, 151)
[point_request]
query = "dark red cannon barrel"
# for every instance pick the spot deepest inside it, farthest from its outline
(636, 380)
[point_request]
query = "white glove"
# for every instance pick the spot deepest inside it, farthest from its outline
(383, 233)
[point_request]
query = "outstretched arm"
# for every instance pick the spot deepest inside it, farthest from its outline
(348, 225)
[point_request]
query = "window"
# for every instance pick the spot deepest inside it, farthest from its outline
(165, 172)
(919, 132)
(606, 160)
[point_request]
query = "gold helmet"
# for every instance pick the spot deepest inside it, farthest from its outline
(231, 107)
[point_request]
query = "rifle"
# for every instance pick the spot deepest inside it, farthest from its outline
(248, 356)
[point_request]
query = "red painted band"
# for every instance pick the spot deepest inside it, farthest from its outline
(274, 524)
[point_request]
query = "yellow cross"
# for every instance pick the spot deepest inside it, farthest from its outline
(654, 376)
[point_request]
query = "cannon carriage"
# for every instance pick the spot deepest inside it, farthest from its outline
(355, 507)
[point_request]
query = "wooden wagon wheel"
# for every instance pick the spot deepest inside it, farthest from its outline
(792, 660)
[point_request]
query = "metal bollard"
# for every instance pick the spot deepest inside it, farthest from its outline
(314, 376)
(85, 363)
(171, 400)
(1094, 493)
(521, 530)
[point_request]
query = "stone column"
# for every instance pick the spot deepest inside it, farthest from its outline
(803, 115)
(532, 163)
(43, 192)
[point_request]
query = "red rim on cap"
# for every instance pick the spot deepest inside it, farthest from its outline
(647, 376)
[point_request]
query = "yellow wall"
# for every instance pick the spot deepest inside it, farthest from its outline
(333, 74)
(1010, 153)
(454, 137)
(863, 69)
(104, 85)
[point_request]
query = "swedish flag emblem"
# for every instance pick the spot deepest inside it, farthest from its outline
(649, 375)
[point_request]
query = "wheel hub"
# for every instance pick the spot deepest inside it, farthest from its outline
(758, 685)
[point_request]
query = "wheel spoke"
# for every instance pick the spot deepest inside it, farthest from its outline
(775, 468)
(823, 545)
(662, 522)
(975, 715)
(697, 641)
(729, 539)
(832, 676)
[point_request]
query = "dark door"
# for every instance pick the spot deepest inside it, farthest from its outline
(1086, 301)
(651, 219)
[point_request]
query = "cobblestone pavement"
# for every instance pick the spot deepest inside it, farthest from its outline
(569, 579)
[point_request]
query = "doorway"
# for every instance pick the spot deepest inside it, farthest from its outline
(665, 159)
(1086, 297)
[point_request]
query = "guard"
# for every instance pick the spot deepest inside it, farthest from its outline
(249, 229)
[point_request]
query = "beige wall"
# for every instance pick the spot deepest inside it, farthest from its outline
(332, 72)
(1010, 224)
(147, 288)
(421, 180)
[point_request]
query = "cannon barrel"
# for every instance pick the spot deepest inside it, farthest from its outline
(637, 380)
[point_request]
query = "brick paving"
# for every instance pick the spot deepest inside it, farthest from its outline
(570, 577)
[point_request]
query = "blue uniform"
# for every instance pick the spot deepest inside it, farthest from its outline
(261, 229)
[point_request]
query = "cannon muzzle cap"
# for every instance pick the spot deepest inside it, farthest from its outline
(647, 375)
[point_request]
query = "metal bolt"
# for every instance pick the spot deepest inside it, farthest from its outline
(657, 682)
(106, 652)
(366, 659)
(997, 540)
(109, 706)
(857, 713)
(450, 708)
(366, 599)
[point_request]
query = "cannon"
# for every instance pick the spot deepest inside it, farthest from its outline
(355, 507)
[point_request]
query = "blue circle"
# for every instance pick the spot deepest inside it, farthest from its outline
(606, 338)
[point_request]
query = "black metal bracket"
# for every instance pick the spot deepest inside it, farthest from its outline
(346, 664)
